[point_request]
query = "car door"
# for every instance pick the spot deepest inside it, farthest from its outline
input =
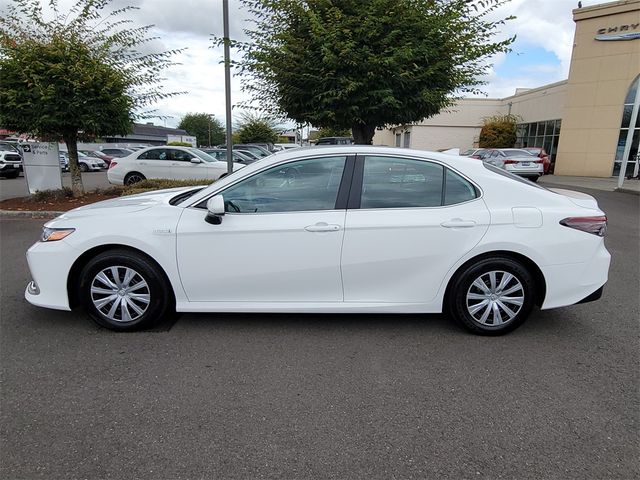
(154, 163)
(279, 241)
(181, 167)
(409, 221)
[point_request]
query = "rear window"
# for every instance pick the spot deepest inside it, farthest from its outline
(512, 176)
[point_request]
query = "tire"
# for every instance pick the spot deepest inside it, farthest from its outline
(133, 177)
(534, 179)
(147, 300)
(467, 292)
(12, 175)
(84, 168)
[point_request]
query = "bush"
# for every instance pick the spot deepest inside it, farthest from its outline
(152, 184)
(498, 131)
(52, 195)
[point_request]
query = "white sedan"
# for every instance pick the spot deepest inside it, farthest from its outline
(176, 163)
(344, 229)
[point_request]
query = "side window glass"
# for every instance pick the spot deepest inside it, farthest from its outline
(457, 189)
(293, 187)
(179, 155)
(154, 154)
(398, 182)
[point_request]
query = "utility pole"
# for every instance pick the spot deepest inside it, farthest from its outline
(227, 82)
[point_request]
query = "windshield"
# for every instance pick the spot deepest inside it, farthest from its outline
(518, 153)
(201, 155)
(510, 175)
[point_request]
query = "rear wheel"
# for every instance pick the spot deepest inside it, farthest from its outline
(533, 179)
(124, 291)
(133, 177)
(493, 296)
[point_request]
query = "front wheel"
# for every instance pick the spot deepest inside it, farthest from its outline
(493, 296)
(124, 291)
(84, 167)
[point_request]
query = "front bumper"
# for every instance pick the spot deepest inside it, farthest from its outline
(49, 264)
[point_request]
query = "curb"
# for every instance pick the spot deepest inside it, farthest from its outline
(28, 214)
(627, 190)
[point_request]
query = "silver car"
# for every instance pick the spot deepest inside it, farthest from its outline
(515, 160)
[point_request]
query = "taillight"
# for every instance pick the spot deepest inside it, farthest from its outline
(510, 162)
(594, 225)
(538, 161)
(112, 164)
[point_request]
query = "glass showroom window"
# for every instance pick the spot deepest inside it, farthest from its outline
(629, 132)
(543, 134)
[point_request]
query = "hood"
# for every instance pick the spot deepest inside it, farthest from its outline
(578, 198)
(128, 204)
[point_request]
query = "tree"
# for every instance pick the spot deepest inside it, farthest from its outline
(255, 128)
(359, 65)
(334, 132)
(498, 131)
(75, 74)
(206, 128)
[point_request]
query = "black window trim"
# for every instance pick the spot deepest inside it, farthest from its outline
(358, 175)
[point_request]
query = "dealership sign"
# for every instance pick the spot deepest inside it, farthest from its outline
(622, 32)
(41, 166)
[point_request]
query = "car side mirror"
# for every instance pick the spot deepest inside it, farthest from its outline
(215, 210)
(196, 160)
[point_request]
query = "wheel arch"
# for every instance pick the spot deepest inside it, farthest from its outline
(73, 278)
(538, 276)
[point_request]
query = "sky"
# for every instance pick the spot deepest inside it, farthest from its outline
(540, 55)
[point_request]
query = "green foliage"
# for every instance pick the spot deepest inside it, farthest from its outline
(253, 128)
(498, 131)
(151, 184)
(359, 65)
(333, 132)
(207, 129)
(77, 72)
(44, 196)
(179, 144)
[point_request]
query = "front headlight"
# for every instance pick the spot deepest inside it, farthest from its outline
(55, 234)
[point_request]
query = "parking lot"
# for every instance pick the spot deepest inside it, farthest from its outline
(323, 396)
(17, 187)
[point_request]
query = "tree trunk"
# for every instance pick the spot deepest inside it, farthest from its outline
(363, 133)
(77, 187)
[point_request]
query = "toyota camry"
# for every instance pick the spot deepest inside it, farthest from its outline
(344, 229)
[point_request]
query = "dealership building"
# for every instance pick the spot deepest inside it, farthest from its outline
(589, 123)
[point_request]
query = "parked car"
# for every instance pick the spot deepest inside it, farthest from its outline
(514, 160)
(335, 141)
(87, 164)
(333, 230)
(248, 153)
(253, 148)
(540, 152)
(221, 155)
(10, 161)
(180, 163)
(116, 152)
(473, 152)
(287, 146)
(98, 154)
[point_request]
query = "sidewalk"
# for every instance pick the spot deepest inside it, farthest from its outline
(596, 183)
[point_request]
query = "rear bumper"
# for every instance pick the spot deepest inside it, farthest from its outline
(568, 284)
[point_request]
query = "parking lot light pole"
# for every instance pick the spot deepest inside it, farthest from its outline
(227, 82)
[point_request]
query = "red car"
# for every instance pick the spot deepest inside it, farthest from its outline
(539, 152)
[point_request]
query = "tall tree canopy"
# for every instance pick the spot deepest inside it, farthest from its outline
(207, 129)
(362, 64)
(75, 72)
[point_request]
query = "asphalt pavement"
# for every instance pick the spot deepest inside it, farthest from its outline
(323, 396)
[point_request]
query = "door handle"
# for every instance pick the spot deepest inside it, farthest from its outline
(458, 223)
(322, 227)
